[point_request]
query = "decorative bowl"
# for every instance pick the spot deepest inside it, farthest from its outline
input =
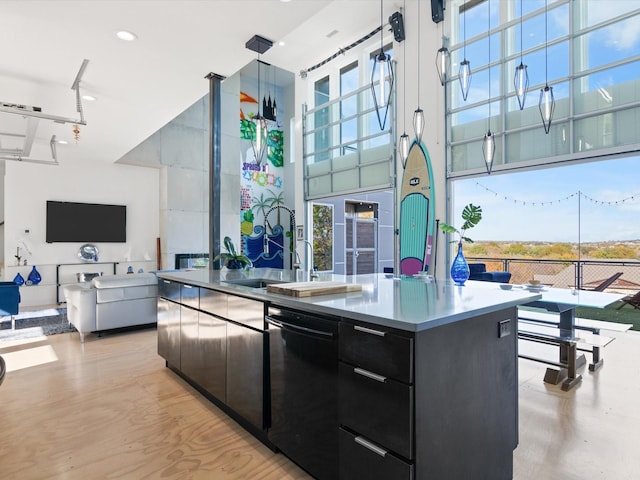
(506, 286)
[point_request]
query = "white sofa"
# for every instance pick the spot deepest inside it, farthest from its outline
(112, 301)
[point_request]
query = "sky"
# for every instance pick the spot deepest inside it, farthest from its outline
(543, 205)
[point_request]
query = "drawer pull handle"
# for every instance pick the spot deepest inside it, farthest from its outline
(369, 330)
(187, 286)
(371, 446)
(368, 374)
(166, 281)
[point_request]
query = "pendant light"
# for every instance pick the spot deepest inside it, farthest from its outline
(418, 114)
(547, 103)
(464, 72)
(521, 77)
(403, 144)
(382, 64)
(443, 63)
(488, 143)
(259, 142)
(443, 60)
(275, 88)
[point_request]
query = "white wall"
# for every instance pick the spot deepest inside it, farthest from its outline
(28, 186)
(180, 150)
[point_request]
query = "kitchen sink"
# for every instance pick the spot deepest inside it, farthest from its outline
(253, 282)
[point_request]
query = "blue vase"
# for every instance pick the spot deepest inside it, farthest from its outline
(34, 276)
(18, 280)
(234, 265)
(459, 268)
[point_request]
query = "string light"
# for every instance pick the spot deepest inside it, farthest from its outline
(630, 198)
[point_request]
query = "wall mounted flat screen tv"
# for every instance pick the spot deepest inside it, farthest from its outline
(86, 222)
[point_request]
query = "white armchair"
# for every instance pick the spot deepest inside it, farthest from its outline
(112, 301)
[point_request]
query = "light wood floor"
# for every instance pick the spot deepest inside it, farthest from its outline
(109, 409)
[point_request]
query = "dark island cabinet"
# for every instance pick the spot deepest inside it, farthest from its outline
(439, 404)
(376, 407)
(190, 354)
(211, 373)
(169, 321)
(169, 331)
(217, 341)
(245, 373)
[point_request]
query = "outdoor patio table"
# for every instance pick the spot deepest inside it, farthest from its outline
(564, 302)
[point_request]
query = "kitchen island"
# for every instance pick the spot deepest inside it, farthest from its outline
(406, 379)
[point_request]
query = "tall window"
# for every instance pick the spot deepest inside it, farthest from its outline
(321, 117)
(349, 108)
(344, 149)
(591, 60)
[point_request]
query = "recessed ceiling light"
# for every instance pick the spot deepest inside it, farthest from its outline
(62, 142)
(285, 1)
(126, 36)
(89, 98)
(281, 43)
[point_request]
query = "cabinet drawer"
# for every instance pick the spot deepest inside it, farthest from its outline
(190, 296)
(168, 289)
(213, 302)
(361, 458)
(245, 311)
(378, 350)
(378, 408)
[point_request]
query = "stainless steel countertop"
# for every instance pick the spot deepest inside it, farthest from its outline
(407, 303)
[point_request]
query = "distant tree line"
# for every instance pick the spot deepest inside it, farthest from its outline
(555, 251)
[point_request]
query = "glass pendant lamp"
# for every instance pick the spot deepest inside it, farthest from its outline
(404, 144)
(259, 142)
(384, 69)
(488, 143)
(547, 103)
(418, 114)
(521, 77)
(464, 73)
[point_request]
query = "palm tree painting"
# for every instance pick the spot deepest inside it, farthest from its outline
(276, 200)
(261, 204)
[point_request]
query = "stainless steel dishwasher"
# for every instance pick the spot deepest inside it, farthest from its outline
(303, 357)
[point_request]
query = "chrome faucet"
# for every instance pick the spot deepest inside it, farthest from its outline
(312, 272)
(292, 220)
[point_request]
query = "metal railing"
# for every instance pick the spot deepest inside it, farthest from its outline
(560, 273)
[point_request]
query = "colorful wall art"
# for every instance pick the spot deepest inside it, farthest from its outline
(261, 183)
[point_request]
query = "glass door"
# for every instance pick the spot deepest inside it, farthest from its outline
(361, 246)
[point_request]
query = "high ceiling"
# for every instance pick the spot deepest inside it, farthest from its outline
(139, 86)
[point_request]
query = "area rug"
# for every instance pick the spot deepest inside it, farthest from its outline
(50, 321)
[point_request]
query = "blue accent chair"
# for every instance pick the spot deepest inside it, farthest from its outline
(3, 369)
(478, 271)
(9, 299)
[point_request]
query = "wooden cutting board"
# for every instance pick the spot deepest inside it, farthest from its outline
(307, 289)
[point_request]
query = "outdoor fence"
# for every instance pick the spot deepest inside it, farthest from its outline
(580, 274)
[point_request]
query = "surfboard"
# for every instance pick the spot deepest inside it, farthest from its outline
(417, 212)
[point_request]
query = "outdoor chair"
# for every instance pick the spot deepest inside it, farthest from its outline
(601, 287)
(633, 300)
(9, 300)
(3, 369)
(478, 271)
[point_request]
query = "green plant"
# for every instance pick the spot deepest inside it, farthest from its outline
(232, 259)
(471, 214)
